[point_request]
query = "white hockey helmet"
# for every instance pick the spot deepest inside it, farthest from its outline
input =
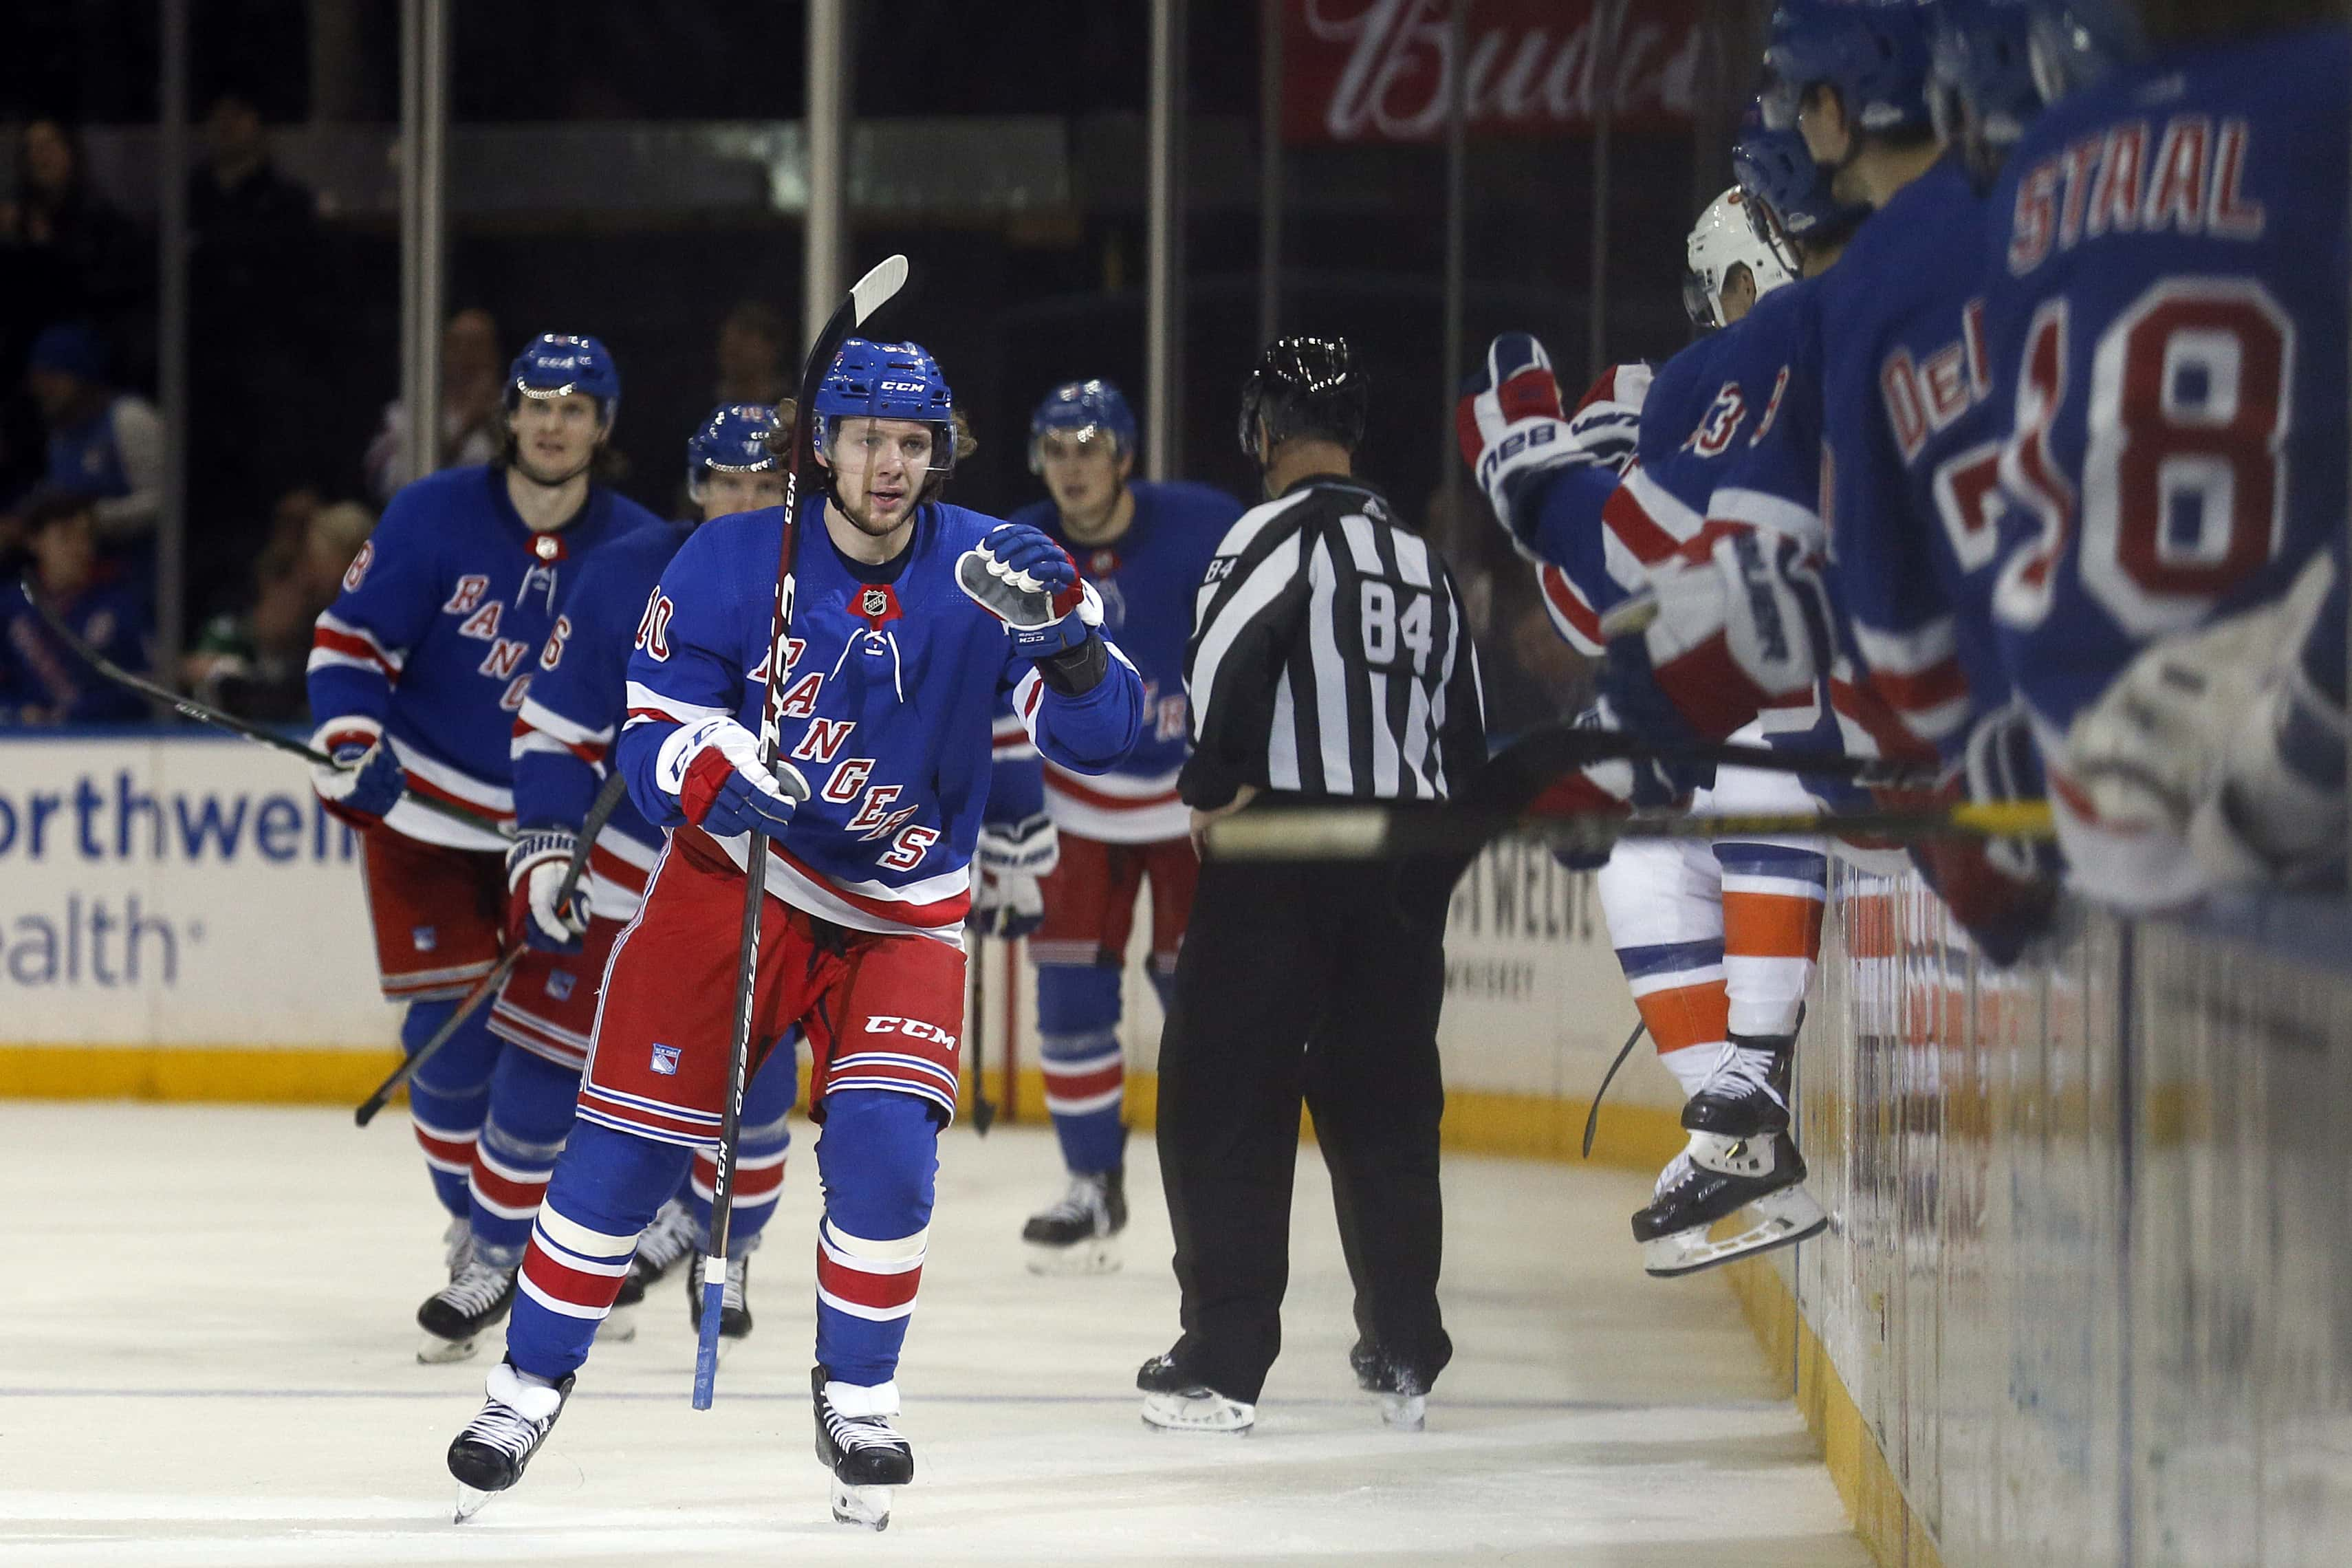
(1724, 238)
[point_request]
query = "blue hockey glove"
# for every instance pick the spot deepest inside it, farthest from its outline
(713, 771)
(1023, 578)
(1633, 701)
(365, 780)
(536, 862)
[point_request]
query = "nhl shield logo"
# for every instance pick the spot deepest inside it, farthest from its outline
(666, 1061)
(873, 604)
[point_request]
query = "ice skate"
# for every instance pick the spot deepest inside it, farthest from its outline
(491, 1454)
(1175, 1400)
(1080, 1234)
(1740, 1157)
(665, 1245)
(1403, 1393)
(734, 1307)
(454, 1317)
(855, 1440)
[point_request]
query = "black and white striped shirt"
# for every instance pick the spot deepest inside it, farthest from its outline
(1329, 659)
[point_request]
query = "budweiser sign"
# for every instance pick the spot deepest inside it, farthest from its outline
(1375, 70)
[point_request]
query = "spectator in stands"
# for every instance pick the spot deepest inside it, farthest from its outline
(751, 342)
(251, 225)
(103, 444)
(252, 663)
(41, 680)
(472, 366)
(70, 255)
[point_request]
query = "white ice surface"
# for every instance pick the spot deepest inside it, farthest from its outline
(205, 1361)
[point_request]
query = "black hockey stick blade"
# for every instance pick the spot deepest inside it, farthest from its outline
(600, 812)
(1592, 1117)
(203, 713)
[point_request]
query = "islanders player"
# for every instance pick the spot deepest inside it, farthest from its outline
(2165, 319)
(1145, 548)
(562, 747)
(420, 667)
(911, 619)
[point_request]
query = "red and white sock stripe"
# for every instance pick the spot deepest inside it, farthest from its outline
(445, 1151)
(1078, 1085)
(759, 1178)
(572, 1269)
(871, 1279)
(509, 1190)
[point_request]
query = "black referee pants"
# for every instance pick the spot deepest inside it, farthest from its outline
(1303, 982)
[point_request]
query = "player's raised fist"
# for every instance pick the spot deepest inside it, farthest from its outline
(1513, 383)
(712, 770)
(362, 780)
(1019, 575)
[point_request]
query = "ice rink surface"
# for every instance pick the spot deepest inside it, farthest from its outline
(206, 1359)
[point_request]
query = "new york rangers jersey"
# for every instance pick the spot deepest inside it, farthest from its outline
(2165, 320)
(439, 629)
(892, 676)
(575, 710)
(1147, 578)
(1911, 511)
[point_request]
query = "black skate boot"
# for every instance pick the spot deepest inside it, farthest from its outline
(664, 1246)
(1174, 1400)
(1740, 1156)
(734, 1306)
(855, 1442)
(490, 1455)
(454, 1317)
(1403, 1389)
(1077, 1236)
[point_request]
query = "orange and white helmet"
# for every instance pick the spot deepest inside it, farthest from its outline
(1724, 238)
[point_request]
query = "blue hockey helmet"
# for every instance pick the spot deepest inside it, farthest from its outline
(887, 381)
(556, 364)
(1079, 409)
(1789, 197)
(1875, 53)
(1982, 90)
(2073, 43)
(733, 440)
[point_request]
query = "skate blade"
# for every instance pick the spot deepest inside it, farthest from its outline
(469, 1502)
(434, 1351)
(1784, 1218)
(1201, 1413)
(1404, 1412)
(867, 1507)
(1098, 1255)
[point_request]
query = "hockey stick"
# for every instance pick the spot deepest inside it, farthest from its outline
(983, 1112)
(600, 812)
(1592, 1117)
(1381, 832)
(203, 713)
(869, 294)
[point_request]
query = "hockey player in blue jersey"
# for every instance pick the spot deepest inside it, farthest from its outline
(1102, 840)
(562, 740)
(911, 618)
(418, 669)
(2165, 320)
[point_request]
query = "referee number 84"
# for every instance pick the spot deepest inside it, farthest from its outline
(1389, 628)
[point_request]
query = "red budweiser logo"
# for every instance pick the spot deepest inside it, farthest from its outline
(1375, 70)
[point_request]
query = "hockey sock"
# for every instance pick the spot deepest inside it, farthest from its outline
(606, 1188)
(1085, 1074)
(449, 1094)
(1678, 988)
(531, 1100)
(878, 1158)
(760, 1150)
(1772, 899)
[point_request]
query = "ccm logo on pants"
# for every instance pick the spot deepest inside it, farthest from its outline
(884, 1024)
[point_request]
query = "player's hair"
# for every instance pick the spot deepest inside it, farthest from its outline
(780, 438)
(56, 507)
(2171, 22)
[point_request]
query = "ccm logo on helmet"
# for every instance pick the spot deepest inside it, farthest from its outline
(902, 386)
(884, 1024)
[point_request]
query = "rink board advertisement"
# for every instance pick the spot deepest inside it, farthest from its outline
(176, 892)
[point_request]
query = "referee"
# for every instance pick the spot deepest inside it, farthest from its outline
(1328, 661)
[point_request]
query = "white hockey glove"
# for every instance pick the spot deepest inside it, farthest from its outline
(536, 863)
(1011, 862)
(1512, 428)
(712, 770)
(1730, 631)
